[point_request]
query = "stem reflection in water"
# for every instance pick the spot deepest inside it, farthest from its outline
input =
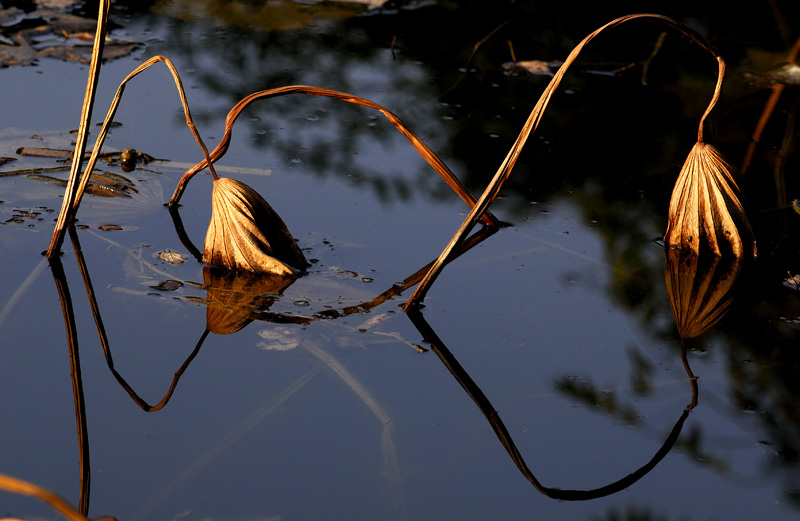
(77, 384)
(499, 428)
(699, 291)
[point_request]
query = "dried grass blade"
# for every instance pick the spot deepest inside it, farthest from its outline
(493, 189)
(415, 141)
(71, 193)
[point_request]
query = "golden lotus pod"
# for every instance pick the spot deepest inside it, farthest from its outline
(245, 233)
(699, 288)
(706, 206)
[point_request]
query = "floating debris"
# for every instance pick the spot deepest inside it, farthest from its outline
(535, 67)
(54, 35)
(793, 282)
(172, 257)
(168, 285)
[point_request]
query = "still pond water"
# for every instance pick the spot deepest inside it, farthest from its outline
(560, 322)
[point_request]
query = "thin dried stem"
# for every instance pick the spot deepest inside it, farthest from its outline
(493, 189)
(714, 97)
(113, 109)
(418, 144)
(19, 486)
(67, 214)
(769, 108)
(481, 42)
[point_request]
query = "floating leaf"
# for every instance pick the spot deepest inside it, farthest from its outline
(245, 233)
(706, 206)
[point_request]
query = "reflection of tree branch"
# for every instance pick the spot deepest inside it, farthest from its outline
(77, 386)
(101, 331)
(483, 403)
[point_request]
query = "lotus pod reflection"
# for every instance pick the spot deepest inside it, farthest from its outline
(699, 289)
(234, 298)
(706, 207)
(245, 233)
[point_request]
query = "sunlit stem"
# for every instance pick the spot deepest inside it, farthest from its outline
(19, 486)
(67, 214)
(113, 109)
(493, 189)
(714, 98)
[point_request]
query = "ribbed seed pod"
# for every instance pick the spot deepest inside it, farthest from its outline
(706, 206)
(245, 233)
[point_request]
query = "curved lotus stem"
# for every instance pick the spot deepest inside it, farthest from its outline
(418, 144)
(493, 189)
(19, 486)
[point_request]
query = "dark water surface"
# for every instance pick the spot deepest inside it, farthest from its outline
(560, 323)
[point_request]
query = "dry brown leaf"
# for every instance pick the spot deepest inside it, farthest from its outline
(245, 233)
(706, 208)
(699, 288)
